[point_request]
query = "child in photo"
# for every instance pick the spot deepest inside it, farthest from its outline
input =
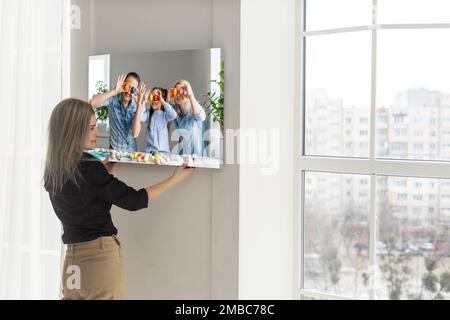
(159, 116)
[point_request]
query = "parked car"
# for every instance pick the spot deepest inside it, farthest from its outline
(427, 246)
(412, 250)
(381, 248)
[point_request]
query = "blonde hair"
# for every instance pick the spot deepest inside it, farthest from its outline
(182, 82)
(67, 132)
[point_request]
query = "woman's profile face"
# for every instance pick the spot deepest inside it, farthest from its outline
(91, 139)
(156, 105)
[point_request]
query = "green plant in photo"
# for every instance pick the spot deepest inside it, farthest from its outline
(102, 111)
(213, 102)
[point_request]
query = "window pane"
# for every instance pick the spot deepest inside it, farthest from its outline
(413, 95)
(337, 94)
(336, 237)
(413, 248)
(328, 14)
(413, 11)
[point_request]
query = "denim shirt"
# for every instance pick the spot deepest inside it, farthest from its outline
(158, 133)
(120, 122)
(190, 130)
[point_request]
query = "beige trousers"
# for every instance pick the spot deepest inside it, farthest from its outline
(94, 270)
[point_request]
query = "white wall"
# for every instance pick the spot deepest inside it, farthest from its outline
(80, 48)
(157, 25)
(225, 182)
(267, 101)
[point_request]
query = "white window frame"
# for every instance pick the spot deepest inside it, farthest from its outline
(371, 166)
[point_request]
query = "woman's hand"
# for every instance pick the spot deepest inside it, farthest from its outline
(147, 96)
(141, 93)
(119, 85)
(189, 91)
(182, 173)
(140, 106)
(163, 102)
(170, 97)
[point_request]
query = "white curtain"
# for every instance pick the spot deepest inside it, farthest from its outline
(32, 82)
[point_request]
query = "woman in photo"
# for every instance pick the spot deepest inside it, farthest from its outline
(190, 118)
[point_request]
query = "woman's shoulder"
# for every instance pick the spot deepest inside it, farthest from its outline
(88, 161)
(87, 157)
(90, 168)
(93, 170)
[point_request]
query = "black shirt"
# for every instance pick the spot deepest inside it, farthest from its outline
(84, 211)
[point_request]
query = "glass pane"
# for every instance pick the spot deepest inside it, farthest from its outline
(336, 237)
(413, 95)
(337, 94)
(413, 248)
(329, 14)
(413, 11)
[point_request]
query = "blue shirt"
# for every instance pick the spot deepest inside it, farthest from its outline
(120, 121)
(157, 133)
(190, 130)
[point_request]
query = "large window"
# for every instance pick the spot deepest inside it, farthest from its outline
(374, 151)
